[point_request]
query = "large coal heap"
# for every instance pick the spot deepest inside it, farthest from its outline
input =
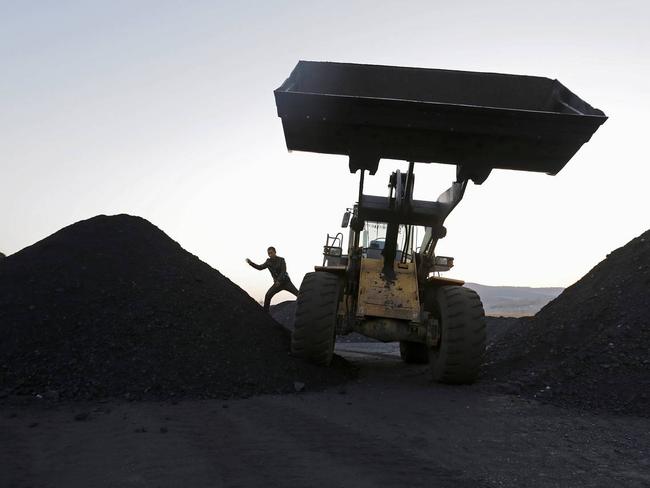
(591, 345)
(112, 306)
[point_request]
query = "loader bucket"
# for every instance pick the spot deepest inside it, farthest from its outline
(477, 120)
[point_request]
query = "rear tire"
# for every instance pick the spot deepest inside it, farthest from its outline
(315, 324)
(458, 358)
(413, 352)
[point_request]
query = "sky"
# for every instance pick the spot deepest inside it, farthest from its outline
(165, 109)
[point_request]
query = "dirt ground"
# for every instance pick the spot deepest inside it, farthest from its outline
(390, 427)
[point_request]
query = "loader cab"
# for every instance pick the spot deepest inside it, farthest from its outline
(375, 248)
(373, 239)
(372, 242)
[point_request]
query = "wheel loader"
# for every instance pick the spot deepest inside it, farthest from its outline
(387, 284)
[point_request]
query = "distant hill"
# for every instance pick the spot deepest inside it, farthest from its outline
(513, 301)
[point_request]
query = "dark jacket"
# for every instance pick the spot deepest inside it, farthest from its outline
(276, 266)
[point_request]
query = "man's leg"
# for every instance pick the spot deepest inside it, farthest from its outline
(270, 294)
(289, 286)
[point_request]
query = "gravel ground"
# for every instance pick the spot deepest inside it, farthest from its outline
(390, 427)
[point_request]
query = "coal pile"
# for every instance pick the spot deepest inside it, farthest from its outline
(496, 327)
(284, 313)
(111, 306)
(590, 347)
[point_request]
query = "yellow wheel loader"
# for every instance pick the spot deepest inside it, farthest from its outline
(387, 283)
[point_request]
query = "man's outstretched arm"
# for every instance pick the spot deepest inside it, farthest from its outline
(258, 266)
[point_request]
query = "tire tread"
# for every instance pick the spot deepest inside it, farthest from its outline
(463, 336)
(314, 332)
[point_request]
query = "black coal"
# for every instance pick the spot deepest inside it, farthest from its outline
(111, 306)
(590, 347)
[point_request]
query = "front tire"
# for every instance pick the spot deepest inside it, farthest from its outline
(314, 332)
(460, 352)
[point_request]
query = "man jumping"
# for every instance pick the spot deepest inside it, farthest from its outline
(281, 281)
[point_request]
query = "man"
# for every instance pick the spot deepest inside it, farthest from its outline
(281, 281)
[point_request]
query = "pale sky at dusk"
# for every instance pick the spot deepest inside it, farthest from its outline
(165, 110)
